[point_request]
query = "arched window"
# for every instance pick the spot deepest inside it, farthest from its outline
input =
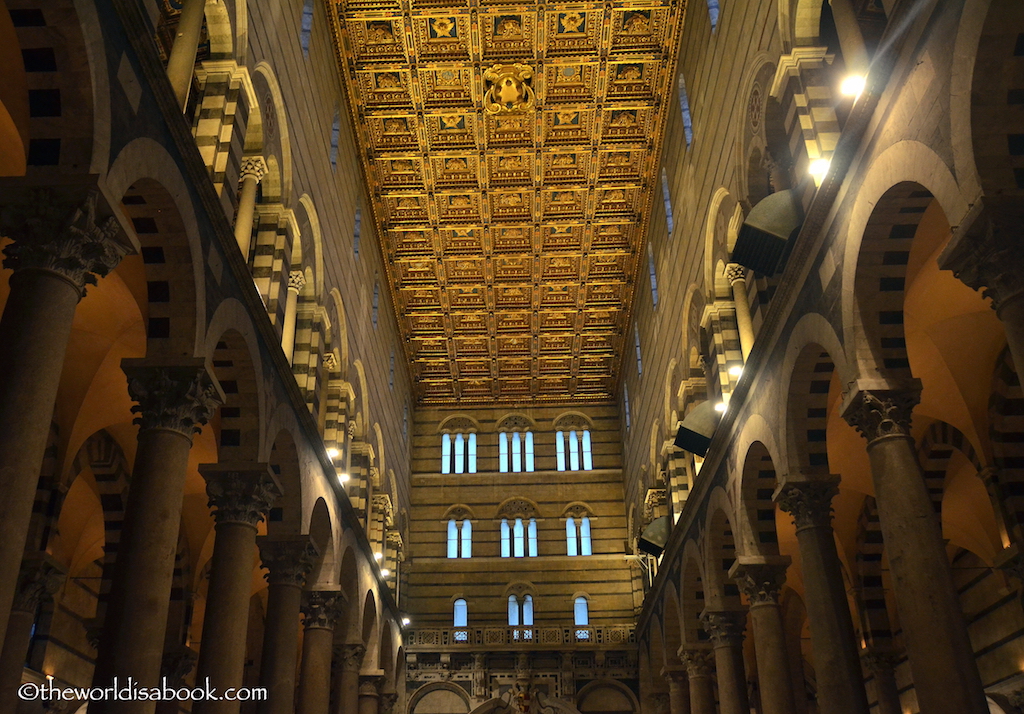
(335, 133)
(581, 618)
(391, 370)
(684, 108)
(636, 344)
(666, 196)
(520, 614)
(458, 453)
(653, 273)
(571, 538)
(713, 13)
(375, 305)
(577, 536)
(506, 539)
(405, 421)
(518, 539)
(306, 27)
(460, 539)
(625, 403)
(531, 538)
(515, 451)
(573, 451)
(460, 619)
(356, 230)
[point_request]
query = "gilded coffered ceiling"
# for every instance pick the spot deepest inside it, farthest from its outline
(511, 152)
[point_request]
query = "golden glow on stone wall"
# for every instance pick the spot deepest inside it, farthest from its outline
(511, 153)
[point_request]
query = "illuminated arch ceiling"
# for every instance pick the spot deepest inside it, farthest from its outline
(511, 239)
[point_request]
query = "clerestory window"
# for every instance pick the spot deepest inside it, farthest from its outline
(458, 453)
(518, 539)
(577, 536)
(573, 450)
(460, 539)
(515, 451)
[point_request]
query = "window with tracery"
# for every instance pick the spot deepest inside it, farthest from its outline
(577, 535)
(515, 445)
(460, 539)
(458, 448)
(520, 615)
(573, 450)
(518, 538)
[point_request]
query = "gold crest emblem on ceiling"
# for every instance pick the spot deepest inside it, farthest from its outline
(510, 152)
(509, 89)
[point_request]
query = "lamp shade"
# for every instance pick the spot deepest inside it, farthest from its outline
(655, 536)
(765, 237)
(696, 429)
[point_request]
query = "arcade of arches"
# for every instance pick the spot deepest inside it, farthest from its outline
(472, 356)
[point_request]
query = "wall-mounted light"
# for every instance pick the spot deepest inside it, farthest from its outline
(406, 622)
(332, 453)
(385, 572)
(736, 370)
(343, 477)
(378, 556)
(852, 85)
(818, 169)
(720, 407)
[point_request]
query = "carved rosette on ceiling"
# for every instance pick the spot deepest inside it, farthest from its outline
(511, 152)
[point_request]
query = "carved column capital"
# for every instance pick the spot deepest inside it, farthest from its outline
(253, 167)
(735, 273)
(881, 413)
(39, 579)
(808, 500)
(288, 558)
(180, 397)
(699, 662)
(985, 253)
(176, 664)
(322, 608)
(760, 578)
(296, 281)
(330, 362)
(387, 702)
(72, 241)
(241, 492)
(677, 674)
(879, 661)
(370, 685)
(726, 627)
(349, 657)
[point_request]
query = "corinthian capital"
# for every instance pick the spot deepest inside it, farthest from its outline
(180, 397)
(72, 242)
(881, 413)
(349, 657)
(735, 273)
(322, 608)
(760, 577)
(808, 500)
(253, 167)
(241, 492)
(985, 253)
(698, 662)
(725, 626)
(288, 558)
(39, 579)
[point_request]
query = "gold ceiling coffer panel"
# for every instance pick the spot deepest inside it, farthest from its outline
(511, 152)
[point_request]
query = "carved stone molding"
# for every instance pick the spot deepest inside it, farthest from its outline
(382, 505)
(241, 493)
(698, 662)
(39, 580)
(881, 413)
(349, 657)
(517, 508)
(72, 242)
(253, 167)
(322, 608)
(725, 627)
(809, 500)
(179, 397)
(985, 253)
(296, 280)
(760, 578)
(288, 558)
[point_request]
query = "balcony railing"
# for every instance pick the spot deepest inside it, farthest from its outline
(533, 636)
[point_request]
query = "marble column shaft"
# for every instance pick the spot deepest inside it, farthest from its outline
(253, 169)
(58, 248)
(678, 689)
(882, 666)
(945, 674)
(173, 400)
(321, 610)
(737, 277)
(182, 62)
(296, 281)
(726, 630)
(242, 494)
(760, 578)
(348, 659)
(289, 560)
(836, 654)
(369, 693)
(699, 667)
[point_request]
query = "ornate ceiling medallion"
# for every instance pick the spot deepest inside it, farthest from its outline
(508, 90)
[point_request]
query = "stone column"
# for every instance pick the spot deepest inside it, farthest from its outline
(737, 277)
(985, 254)
(173, 400)
(296, 281)
(175, 667)
(678, 689)
(54, 255)
(242, 493)
(945, 674)
(836, 656)
(882, 666)
(760, 578)
(182, 62)
(851, 39)
(348, 659)
(726, 630)
(321, 610)
(289, 560)
(40, 578)
(252, 171)
(699, 664)
(369, 693)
